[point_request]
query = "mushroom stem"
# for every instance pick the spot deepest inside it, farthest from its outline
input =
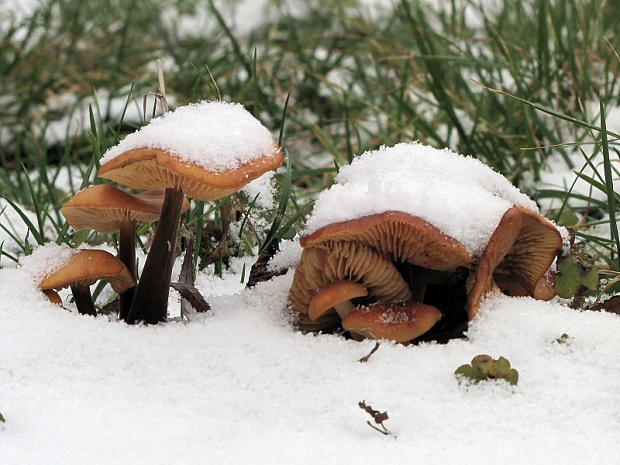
(83, 299)
(127, 254)
(343, 308)
(150, 302)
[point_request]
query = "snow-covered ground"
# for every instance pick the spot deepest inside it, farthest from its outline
(243, 386)
(240, 385)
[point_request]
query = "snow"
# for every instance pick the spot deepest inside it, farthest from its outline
(464, 198)
(243, 386)
(216, 135)
(43, 261)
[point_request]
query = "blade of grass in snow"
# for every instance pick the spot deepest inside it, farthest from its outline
(286, 189)
(609, 184)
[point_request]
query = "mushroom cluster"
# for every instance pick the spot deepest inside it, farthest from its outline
(204, 151)
(410, 239)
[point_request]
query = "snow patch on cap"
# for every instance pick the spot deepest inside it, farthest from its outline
(44, 260)
(462, 197)
(218, 136)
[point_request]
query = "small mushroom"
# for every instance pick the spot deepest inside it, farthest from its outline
(336, 295)
(150, 160)
(108, 209)
(84, 268)
(338, 261)
(399, 322)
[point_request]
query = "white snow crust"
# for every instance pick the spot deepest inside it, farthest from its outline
(215, 135)
(462, 197)
(243, 386)
(44, 260)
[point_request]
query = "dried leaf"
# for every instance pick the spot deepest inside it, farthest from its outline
(379, 417)
(259, 271)
(611, 305)
(193, 296)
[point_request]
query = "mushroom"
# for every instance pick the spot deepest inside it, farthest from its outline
(84, 268)
(337, 295)
(516, 258)
(205, 151)
(108, 209)
(399, 322)
(406, 252)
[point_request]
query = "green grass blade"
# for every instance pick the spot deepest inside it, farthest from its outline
(609, 184)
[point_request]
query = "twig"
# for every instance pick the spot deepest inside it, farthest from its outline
(374, 349)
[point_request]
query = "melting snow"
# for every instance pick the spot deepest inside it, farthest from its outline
(461, 196)
(215, 135)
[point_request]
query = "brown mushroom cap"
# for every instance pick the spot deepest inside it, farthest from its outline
(519, 253)
(400, 236)
(334, 294)
(86, 267)
(337, 261)
(400, 322)
(152, 168)
(104, 208)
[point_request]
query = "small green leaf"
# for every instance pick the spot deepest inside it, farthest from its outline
(575, 276)
(484, 367)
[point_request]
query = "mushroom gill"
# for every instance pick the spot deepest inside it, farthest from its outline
(400, 236)
(337, 261)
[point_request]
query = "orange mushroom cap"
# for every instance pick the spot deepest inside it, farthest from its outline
(152, 168)
(104, 208)
(208, 150)
(333, 294)
(86, 267)
(400, 322)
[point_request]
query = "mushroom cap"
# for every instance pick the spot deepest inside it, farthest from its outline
(520, 252)
(400, 236)
(208, 150)
(104, 208)
(337, 261)
(333, 294)
(399, 322)
(459, 195)
(85, 267)
(52, 296)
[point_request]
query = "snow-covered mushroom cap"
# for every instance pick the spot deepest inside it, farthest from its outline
(208, 149)
(86, 267)
(460, 196)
